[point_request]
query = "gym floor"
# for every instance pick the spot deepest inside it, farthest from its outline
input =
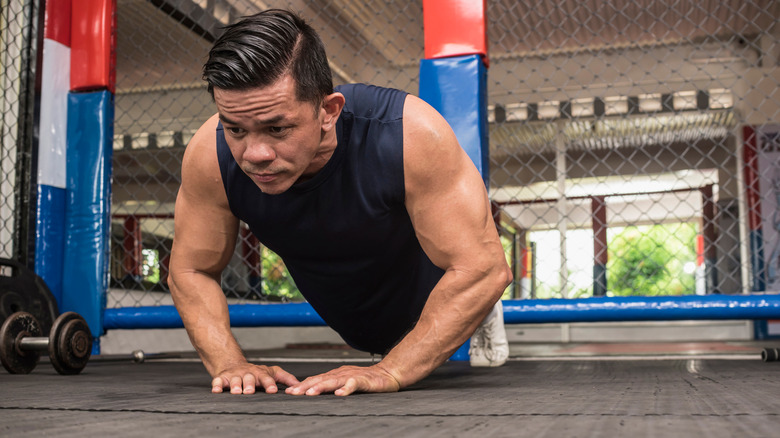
(716, 389)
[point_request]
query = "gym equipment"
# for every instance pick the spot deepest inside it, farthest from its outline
(770, 354)
(21, 290)
(69, 344)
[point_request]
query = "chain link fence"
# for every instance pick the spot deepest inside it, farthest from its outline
(616, 140)
(616, 135)
(19, 25)
(161, 101)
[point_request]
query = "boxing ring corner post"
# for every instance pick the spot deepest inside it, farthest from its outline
(90, 132)
(453, 78)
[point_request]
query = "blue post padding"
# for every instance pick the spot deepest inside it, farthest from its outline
(87, 206)
(95, 346)
(688, 307)
(50, 238)
(462, 353)
(241, 315)
(457, 88)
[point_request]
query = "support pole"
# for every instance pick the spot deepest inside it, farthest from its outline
(453, 78)
(133, 248)
(708, 231)
(562, 207)
(600, 255)
(522, 272)
(744, 234)
(90, 147)
(753, 197)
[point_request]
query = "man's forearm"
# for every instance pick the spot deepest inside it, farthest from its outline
(456, 306)
(203, 309)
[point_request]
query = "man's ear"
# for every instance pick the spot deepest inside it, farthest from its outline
(332, 105)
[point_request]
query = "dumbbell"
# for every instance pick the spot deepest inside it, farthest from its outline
(770, 354)
(69, 343)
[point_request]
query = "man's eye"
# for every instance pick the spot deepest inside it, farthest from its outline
(236, 131)
(277, 129)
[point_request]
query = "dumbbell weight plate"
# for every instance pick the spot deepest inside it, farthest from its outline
(17, 326)
(70, 343)
(24, 291)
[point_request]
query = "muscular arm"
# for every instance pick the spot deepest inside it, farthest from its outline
(449, 207)
(205, 236)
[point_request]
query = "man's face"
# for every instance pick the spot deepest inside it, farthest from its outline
(275, 139)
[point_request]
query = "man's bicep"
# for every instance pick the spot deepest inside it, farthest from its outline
(454, 227)
(205, 235)
(446, 197)
(204, 227)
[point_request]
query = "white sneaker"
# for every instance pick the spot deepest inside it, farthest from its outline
(489, 347)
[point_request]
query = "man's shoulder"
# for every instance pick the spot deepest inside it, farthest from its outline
(359, 87)
(199, 154)
(372, 101)
(205, 137)
(200, 173)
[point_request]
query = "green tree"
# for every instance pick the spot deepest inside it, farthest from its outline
(277, 281)
(650, 260)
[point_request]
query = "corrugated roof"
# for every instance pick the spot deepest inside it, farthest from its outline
(517, 138)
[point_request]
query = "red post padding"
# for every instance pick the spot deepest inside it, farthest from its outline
(455, 28)
(57, 27)
(93, 40)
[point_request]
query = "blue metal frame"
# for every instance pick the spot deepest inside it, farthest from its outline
(689, 307)
(241, 315)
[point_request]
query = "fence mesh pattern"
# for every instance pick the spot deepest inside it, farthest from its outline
(18, 42)
(614, 142)
(616, 136)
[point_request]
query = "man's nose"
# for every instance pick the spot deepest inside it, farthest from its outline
(259, 151)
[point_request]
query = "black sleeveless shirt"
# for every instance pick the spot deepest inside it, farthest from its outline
(345, 234)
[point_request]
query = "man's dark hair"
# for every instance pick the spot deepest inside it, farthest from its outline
(261, 48)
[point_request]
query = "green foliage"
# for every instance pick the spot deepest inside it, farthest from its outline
(552, 290)
(277, 281)
(507, 242)
(647, 261)
(150, 265)
(546, 291)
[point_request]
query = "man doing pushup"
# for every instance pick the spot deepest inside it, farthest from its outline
(381, 218)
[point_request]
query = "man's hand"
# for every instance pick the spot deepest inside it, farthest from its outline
(242, 379)
(347, 380)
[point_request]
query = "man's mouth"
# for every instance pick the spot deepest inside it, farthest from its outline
(265, 177)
